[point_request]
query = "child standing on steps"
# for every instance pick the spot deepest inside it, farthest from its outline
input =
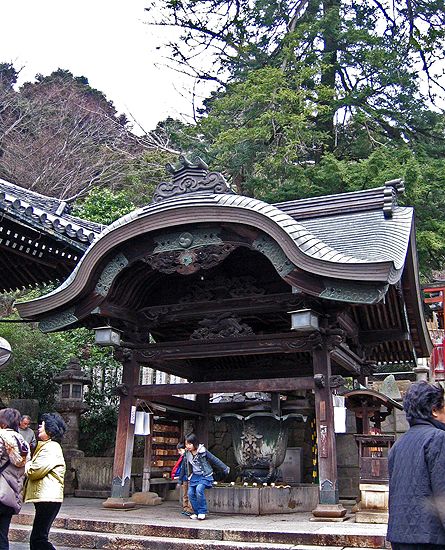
(197, 468)
(187, 509)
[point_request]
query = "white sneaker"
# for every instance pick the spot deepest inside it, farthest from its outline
(201, 516)
(194, 516)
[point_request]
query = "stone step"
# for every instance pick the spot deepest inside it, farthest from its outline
(117, 535)
(25, 546)
(108, 541)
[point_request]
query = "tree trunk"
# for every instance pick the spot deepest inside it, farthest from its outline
(325, 116)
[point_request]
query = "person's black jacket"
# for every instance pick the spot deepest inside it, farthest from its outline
(417, 485)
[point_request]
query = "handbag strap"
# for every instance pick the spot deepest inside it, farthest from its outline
(21, 447)
(5, 465)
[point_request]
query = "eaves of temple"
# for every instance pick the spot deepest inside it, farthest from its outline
(199, 253)
(40, 242)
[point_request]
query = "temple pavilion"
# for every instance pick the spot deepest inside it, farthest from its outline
(227, 292)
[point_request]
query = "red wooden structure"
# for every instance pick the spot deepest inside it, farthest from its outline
(434, 297)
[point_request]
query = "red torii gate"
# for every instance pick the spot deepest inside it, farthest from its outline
(436, 297)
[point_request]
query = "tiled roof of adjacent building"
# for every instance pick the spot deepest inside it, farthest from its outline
(47, 212)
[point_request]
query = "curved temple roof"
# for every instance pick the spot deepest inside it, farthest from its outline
(302, 247)
(40, 242)
(355, 244)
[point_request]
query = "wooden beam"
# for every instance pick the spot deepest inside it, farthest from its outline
(326, 443)
(224, 386)
(202, 422)
(229, 406)
(369, 337)
(348, 324)
(111, 311)
(251, 305)
(226, 347)
(177, 402)
(347, 359)
(123, 452)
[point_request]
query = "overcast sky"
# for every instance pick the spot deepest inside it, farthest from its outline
(105, 40)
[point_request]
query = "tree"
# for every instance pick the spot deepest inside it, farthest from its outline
(320, 96)
(61, 137)
(102, 205)
(145, 173)
(357, 61)
(38, 357)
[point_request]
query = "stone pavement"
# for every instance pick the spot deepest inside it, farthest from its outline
(25, 546)
(84, 523)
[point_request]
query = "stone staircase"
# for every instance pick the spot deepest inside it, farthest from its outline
(94, 533)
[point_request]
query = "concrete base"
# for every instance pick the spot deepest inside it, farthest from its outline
(373, 506)
(146, 499)
(374, 496)
(371, 516)
(92, 494)
(346, 517)
(262, 500)
(329, 511)
(119, 503)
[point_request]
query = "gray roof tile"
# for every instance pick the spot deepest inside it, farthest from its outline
(46, 212)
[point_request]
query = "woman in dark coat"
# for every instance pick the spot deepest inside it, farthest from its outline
(417, 473)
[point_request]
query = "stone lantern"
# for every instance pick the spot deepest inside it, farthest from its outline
(70, 405)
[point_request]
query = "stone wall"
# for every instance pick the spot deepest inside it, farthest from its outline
(220, 444)
(93, 475)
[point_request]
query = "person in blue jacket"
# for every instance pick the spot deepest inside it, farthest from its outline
(417, 473)
(197, 468)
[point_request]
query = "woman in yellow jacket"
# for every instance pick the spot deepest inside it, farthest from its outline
(46, 472)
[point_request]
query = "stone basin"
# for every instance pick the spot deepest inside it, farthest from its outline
(239, 499)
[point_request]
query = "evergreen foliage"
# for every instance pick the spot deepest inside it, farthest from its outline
(319, 97)
(38, 358)
(104, 206)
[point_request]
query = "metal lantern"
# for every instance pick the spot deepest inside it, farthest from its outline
(5, 352)
(304, 320)
(107, 336)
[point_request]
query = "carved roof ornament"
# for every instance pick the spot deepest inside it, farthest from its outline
(392, 189)
(224, 325)
(191, 177)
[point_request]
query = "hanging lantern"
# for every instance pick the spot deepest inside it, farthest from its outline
(107, 336)
(5, 352)
(142, 423)
(304, 320)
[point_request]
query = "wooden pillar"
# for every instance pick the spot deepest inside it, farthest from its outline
(328, 506)
(123, 451)
(202, 424)
(146, 474)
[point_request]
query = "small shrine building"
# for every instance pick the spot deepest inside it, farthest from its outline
(229, 293)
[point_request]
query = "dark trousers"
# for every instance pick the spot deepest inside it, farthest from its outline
(6, 514)
(46, 513)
